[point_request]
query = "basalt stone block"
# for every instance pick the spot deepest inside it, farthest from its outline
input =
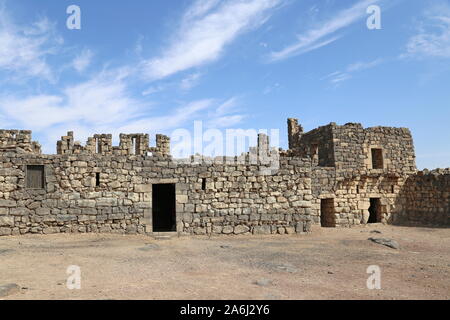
(239, 229)
(5, 231)
(43, 211)
(19, 211)
(227, 229)
(6, 221)
(262, 230)
(7, 203)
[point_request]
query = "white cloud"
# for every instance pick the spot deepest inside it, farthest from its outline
(225, 116)
(206, 29)
(153, 89)
(322, 35)
(433, 37)
(341, 76)
(225, 121)
(24, 49)
(96, 103)
(190, 81)
(227, 107)
(83, 60)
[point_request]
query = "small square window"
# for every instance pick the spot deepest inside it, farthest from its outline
(35, 177)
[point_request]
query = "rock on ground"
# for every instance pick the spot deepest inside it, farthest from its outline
(9, 289)
(386, 242)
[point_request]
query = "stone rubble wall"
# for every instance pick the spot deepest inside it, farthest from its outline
(130, 144)
(238, 198)
(424, 199)
(352, 191)
(104, 188)
(19, 141)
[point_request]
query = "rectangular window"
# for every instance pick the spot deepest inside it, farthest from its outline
(97, 179)
(377, 159)
(35, 177)
(203, 184)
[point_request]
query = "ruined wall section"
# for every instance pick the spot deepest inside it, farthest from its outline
(353, 148)
(318, 145)
(130, 144)
(353, 181)
(19, 141)
(424, 200)
(397, 149)
(101, 193)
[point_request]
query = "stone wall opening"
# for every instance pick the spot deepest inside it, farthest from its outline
(164, 208)
(375, 210)
(204, 184)
(327, 214)
(97, 179)
(377, 159)
(35, 177)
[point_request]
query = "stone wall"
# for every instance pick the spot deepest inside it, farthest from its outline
(237, 198)
(424, 199)
(99, 187)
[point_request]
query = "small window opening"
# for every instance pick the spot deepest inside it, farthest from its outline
(98, 147)
(97, 179)
(134, 146)
(357, 189)
(392, 189)
(35, 177)
(377, 159)
(203, 184)
(314, 149)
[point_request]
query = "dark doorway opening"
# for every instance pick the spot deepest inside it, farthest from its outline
(164, 208)
(327, 215)
(375, 210)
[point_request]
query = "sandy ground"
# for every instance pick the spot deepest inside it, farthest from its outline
(327, 264)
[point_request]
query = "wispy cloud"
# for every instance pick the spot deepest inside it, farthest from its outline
(226, 114)
(206, 29)
(98, 102)
(341, 76)
(190, 81)
(324, 33)
(433, 36)
(24, 49)
(83, 60)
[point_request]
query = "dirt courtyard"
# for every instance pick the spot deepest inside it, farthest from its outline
(327, 264)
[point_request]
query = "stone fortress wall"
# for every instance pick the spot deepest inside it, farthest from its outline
(336, 176)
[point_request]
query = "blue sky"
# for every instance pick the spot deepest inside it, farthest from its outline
(156, 66)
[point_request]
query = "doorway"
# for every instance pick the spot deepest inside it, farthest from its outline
(375, 210)
(164, 208)
(327, 215)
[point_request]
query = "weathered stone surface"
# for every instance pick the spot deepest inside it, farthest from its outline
(143, 188)
(227, 229)
(261, 230)
(50, 230)
(241, 229)
(7, 203)
(6, 221)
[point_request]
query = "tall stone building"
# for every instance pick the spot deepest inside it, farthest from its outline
(333, 176)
